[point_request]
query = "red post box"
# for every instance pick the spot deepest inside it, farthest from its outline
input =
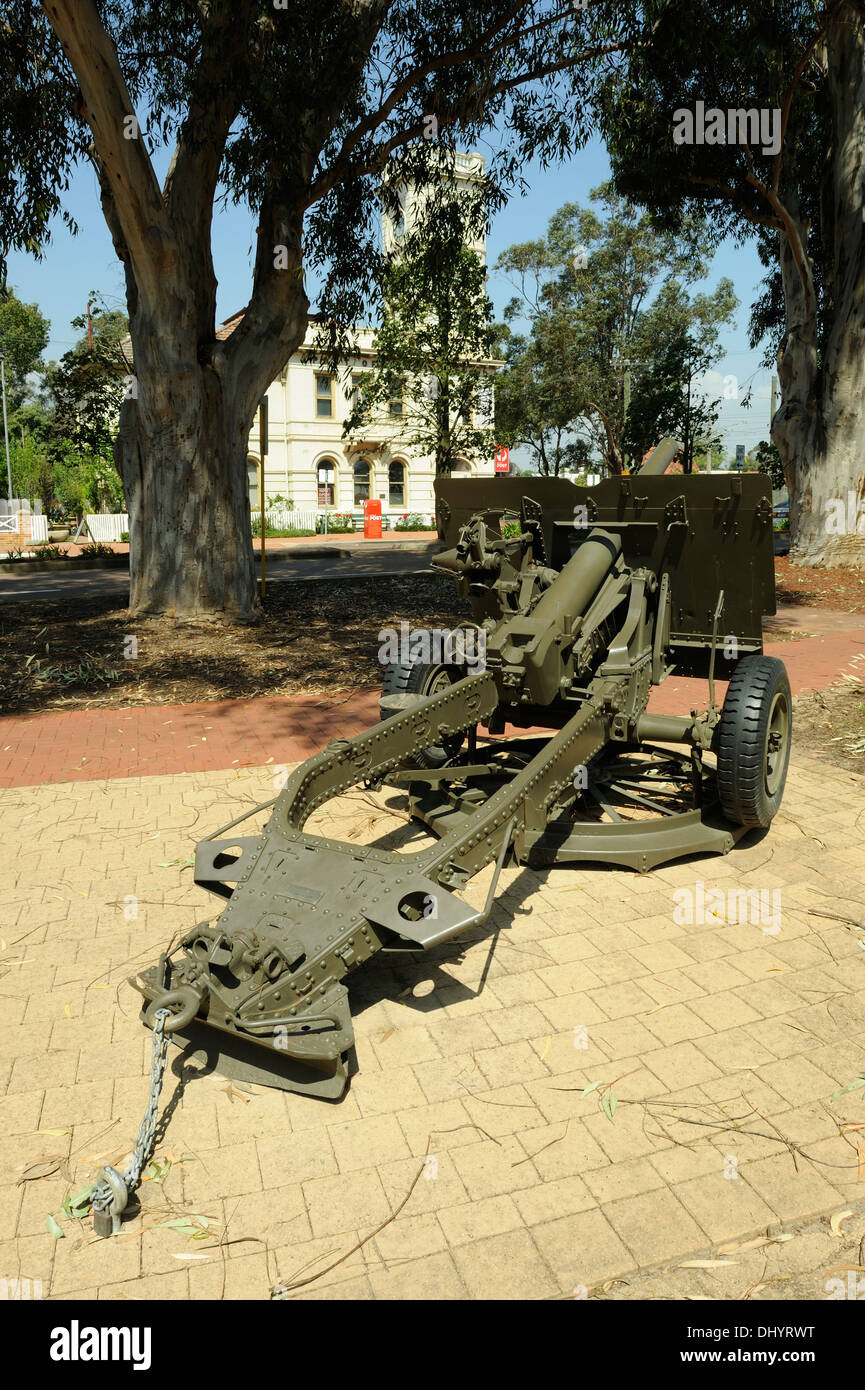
(372, 519)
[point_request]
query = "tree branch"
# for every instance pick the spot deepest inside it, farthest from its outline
(190, 184)
(374, 120)
(828, 15)
(481, 49)
(124, 162)
(732, 195)
(275, 319)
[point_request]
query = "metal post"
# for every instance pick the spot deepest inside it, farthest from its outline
(626, 404)
(262, 451)
(6, 429)
(261, 507)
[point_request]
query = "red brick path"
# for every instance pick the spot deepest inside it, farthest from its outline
(149, 740)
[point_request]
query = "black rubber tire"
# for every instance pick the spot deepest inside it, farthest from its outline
(419, 678)
(751, 774)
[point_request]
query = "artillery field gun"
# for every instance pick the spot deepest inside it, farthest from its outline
(598, 595)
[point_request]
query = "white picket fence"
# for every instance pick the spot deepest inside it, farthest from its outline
(291, 518)
(107, 526)
(25, 519)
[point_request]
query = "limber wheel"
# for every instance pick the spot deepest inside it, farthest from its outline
(424, 678)
(752, 741)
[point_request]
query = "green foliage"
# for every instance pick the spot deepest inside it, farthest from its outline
(294, 112)
(32, 470)
(87, 385)
(97, 550)
(768, 461)
(23, 339)
(83, 482)
(435, 336)
(604, 293)
(335, 90)
(669, 397)
(60, 445)
(730, 57)
(412, 521)
(337, 522)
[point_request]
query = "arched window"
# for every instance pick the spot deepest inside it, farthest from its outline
(326, 478)
(461, 466)
(361, 482)
(252, 482)
(396, 484)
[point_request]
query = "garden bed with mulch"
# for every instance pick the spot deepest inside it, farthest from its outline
(841, 590)
(86, 652)
(317, 639)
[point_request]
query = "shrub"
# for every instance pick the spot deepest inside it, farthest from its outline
(46, 551)
(412, 521)
(124, 537)
(336, 522)
(97, 550)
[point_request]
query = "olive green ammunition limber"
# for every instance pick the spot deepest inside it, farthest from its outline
(585, 597)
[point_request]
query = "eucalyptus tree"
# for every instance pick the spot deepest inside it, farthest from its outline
(293, 108)
(602, 295)
(755, 114)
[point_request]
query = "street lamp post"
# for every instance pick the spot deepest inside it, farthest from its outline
(6, 428)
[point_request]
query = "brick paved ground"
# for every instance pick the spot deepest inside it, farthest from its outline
(722, 1043)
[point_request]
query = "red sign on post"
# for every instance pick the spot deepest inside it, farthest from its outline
(503, 459)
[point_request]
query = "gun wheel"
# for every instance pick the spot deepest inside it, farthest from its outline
(753, 741)
(421, 678)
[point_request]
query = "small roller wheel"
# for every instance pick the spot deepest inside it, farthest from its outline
(424, 678)
(752, 741)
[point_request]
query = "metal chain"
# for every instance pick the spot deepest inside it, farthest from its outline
(107, 1200)
(147, 1129)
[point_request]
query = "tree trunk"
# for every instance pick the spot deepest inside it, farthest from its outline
(183, 441)
(185, 477)
(819, 429)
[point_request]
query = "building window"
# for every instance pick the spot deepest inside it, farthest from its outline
(396, 484)
(396, 405)
(323, 396)
(356, 390)
(483, 408)
(252, 482)
(326, 483)
(361, 482)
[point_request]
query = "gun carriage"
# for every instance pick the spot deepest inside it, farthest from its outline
(583, 598)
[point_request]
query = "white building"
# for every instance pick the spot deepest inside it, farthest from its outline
(309, 461)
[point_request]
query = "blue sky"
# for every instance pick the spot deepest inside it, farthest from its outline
(73, 266)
